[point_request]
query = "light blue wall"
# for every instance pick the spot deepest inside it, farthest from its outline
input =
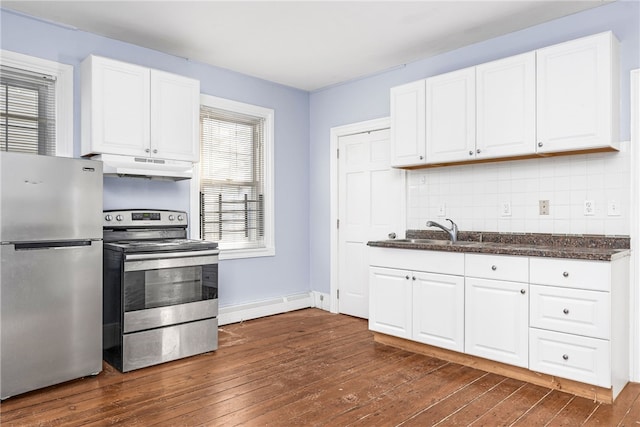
(368, 98)
(241, 280)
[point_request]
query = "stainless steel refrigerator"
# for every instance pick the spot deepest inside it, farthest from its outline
(50, 271)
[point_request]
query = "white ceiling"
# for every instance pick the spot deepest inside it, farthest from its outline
(304, 44)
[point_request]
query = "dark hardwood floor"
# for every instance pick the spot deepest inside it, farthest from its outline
(308, 368)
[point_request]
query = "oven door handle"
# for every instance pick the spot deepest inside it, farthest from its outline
(160, 263)
(162, 255)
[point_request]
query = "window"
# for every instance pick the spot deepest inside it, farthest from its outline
(36, 105)
(235, 191)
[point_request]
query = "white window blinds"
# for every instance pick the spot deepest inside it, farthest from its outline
(27, 111)
(232, 178)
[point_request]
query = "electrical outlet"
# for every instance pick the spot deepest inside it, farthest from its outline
(505, 209)
(613, 208)
(543, 207)
(442, 210)
(589, 208)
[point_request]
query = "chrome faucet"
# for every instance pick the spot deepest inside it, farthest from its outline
(452, 232)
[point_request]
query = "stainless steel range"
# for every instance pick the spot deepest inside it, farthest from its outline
(160, 289)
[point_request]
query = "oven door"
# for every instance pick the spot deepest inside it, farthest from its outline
(168, 288)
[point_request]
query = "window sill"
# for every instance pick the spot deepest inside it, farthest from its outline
(246, 253)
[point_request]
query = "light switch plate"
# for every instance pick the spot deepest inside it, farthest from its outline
(543, 207)
(442, 210)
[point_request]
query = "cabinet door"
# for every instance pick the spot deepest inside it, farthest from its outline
(438, 310)
(118, 107)
(390, 301)
(175, 107)
(577, 94)
(506, 107)
(497, 320)
(408, 124)
(451, 116)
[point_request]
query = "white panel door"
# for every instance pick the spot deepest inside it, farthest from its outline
(574, 87)
(497, 320)
(119, 107)
(390, 304)
(438, 310)
(369, 208)
(506, 107)
(451, 116)
(175, 112)
(408, 124)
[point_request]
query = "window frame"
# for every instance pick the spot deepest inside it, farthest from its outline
(63, 90)
(269, 222)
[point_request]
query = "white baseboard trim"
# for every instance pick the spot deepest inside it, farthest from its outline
(254, 310)
(321, 300)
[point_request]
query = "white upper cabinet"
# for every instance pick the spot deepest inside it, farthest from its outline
(408, 124)
(506, 107)
(115, 107)
(563, 98)
(451, 116)
(175, 112)
(132, 110)
(578, 94)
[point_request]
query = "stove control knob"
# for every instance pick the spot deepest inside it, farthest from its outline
(171, 217)
(108, 217)
(180, 217)
(119, 217)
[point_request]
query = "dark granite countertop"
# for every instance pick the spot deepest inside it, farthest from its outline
(585, 247)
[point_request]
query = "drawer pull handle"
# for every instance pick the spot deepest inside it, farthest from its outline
(565, 356)
(522, 291)
(565, 274)
(494, 267)
(565, 311)
(406, 277)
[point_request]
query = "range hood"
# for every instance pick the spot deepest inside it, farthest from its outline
(145, 167)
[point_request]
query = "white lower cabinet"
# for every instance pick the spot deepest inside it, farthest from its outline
(571, 356)
(497, 320)
(561, 317)
(390, 301)
(438, 310)
(425, 306)
(580, 320)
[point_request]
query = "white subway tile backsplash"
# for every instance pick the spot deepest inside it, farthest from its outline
(473, 194)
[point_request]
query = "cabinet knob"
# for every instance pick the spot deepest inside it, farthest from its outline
(565, 274)
(413, 278)
(406, 277)
(494, 267)
(146, 150)
(471, 152)
(421, 157)
(565, 311)
(540, 144)
(155, 151)
(478, 151)
(523, 291)
(565, 356)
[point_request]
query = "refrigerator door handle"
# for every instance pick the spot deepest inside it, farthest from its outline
(51, 245)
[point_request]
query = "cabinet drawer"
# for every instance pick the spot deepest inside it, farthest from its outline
(574, 311)
(497, 267)
(569, 273)
(570, 356)
(418, 260)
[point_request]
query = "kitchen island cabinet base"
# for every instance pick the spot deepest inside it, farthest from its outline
(598, 394)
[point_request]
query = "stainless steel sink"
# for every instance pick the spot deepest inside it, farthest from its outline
(436, 242)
